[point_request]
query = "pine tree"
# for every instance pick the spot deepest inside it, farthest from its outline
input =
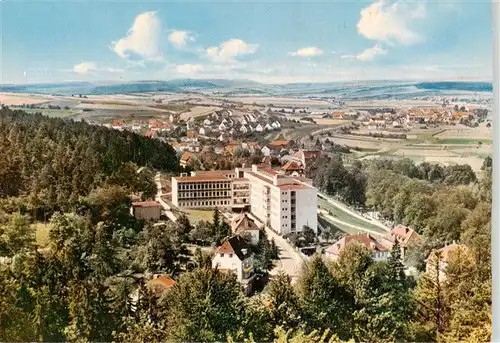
(283, 304)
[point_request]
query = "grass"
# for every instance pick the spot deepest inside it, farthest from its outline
(464, 141)
(41, 234)
(196, 216)
(340, 214)
(51, 113)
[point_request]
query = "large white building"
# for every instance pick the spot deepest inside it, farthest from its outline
(284, 203)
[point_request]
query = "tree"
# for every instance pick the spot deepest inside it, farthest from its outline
(283, 305)
(17, 236)
(325, 302)
(309, 235)
(203, 306)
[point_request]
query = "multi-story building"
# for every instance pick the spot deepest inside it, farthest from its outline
(284, 203)
(211, 189)
(146, 210)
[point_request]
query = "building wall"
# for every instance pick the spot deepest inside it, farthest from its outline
(202, 194)
(234, 263)
(306, 208)
(175, 185)
(147, 213)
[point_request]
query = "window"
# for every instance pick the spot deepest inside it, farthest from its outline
(221, 255)
(230, 255)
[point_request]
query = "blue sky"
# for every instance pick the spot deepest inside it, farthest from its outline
(270, 42)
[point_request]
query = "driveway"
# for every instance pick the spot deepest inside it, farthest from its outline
(158, 198)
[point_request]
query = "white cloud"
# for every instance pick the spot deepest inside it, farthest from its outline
(91, 67)
(180, 38)
(230, 49)
(85, 68)
(188, 68)
(307, 52)
(142, 39)
(368, 54)
(389, 22)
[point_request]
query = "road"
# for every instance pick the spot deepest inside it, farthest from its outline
(352, 213)
(158, 198)
(290, 260)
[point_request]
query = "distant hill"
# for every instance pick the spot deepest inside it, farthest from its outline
(353, 90)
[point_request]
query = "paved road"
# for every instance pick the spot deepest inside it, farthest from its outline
(158, 198)
(290, 260)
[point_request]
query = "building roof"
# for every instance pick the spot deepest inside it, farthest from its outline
(201, 178)
(292, 166)
(243, 223)
(279, 143)
(146, 204)
(367, 240)
(235, 245)
(161, 283)
(404, 234)
(293, 186)
(186, 156)
(446, 251)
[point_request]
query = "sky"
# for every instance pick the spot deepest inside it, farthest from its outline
(270, 42)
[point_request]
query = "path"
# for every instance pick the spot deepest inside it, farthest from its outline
(346, 209)
(158, 198)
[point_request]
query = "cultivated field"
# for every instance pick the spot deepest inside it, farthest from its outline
(14, 99)
(198, 111)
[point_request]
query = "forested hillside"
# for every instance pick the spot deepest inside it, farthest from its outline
(50, 163)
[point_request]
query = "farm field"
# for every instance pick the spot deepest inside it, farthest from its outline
(51, 113)
(198, 111)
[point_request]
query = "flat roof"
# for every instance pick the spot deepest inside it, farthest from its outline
(294, 186)
(201, 178)
(265, 179)
(146, 204)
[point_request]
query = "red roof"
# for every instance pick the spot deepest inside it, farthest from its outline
(366, 240)
(279, 143)
(292, 166)
(146, 204)
(161, 283)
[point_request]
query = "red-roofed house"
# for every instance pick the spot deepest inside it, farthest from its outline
(306, 157)
(160, 283)
(443, 256)
(146, 210)
(236, 255)
(244, 225)
(405, 237)
(378, 250)
(292, 166)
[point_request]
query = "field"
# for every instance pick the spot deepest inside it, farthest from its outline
(196, 216)
(463, 141)
(51, 113)
(198, 111)
(10, 99)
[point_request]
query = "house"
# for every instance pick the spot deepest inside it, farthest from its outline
(442, 257)
(204, 131)
(243, 129)
(278, 144)
(404, 236)
(171, 118)
(276, 125)
(223, 127)
(192, 136)
(207, 122)
(160, 283)
(338, 114)
(186, 157)
(258, 128)
(292, 166)
(306, 156)
(266, 151)
(223, 137)
(244, 225)
(243, 121)
(268, 127)
(379, 251)
(151, 134)
(146, 210)
(219, 149)
(235, 256)
(117, 125)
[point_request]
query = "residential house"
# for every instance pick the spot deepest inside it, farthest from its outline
(266, 151)
(223, 137)
(160, 283)
(276, 125)
(151, 134)
(291, 167)
(258, 128)
(243, 129)
(207, 122)
(219, 149)
(186, 158)
(243, 121)
(192, 136)
(306, 157)
(223, 127)
(245, 226)
(442, 257)
(379, 251)
(236, 256)
(404, 236)
(146, 210)
(268, 127)
(171, 118)
(204, 131)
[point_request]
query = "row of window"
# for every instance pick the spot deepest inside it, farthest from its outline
(203, 203)
(204, 185)
(203, 194)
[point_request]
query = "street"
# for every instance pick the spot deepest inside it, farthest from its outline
(158, 198)
(290, 260)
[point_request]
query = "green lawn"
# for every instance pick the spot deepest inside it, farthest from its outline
(463, 141)
(51, 113)
(198, 215)
(340, 214)
(41, 234)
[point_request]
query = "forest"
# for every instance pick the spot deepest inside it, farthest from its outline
(86, 282)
